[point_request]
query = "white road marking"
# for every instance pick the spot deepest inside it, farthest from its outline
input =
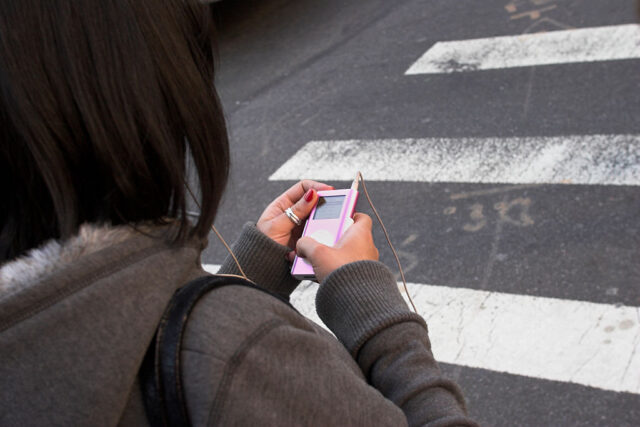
(585, 159)
(211, 268)
(596, 345)
(556, 47)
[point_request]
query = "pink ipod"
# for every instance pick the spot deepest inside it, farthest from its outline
(328, 220)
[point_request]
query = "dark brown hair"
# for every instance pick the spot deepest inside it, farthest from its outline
(100, 102)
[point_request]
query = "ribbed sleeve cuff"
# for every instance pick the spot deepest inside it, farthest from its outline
(263, 261)
(360, 299)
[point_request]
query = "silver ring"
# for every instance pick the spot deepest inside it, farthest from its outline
(288, 212)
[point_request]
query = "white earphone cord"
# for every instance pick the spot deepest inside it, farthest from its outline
(384, 230)
(215, 230)
(386, 235)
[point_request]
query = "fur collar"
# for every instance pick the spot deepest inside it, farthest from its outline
(55, 254)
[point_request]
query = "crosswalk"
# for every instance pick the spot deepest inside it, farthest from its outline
(587, 160)
(571, 341)
(616, 42)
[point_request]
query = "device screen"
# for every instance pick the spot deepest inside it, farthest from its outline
(329, 207)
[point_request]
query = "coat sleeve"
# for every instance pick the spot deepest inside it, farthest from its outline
(361, 304)
(263, 261)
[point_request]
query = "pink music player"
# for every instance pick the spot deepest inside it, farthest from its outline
(328, 220)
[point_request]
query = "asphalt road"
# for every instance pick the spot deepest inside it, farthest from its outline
(291, 72)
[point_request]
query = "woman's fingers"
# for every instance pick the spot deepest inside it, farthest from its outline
(355, 245)
(301, 198)
(302, 208)
(364, 219)
(300, 189)
(307, 247)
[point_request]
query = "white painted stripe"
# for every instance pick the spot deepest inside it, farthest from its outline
(596, 345)
(590, 159)
(211, 268)
(557, 47)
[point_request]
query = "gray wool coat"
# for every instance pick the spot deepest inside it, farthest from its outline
(76, 318)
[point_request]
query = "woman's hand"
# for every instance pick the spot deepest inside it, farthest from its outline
(356, 244)
(301, 198)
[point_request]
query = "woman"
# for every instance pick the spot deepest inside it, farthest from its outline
(100, 104)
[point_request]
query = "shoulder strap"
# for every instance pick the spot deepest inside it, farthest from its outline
(160, 373)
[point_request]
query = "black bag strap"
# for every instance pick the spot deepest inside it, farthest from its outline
(160, 373)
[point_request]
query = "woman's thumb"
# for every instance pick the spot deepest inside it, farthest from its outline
(306, 247)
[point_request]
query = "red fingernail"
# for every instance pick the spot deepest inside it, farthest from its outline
(309, 196)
